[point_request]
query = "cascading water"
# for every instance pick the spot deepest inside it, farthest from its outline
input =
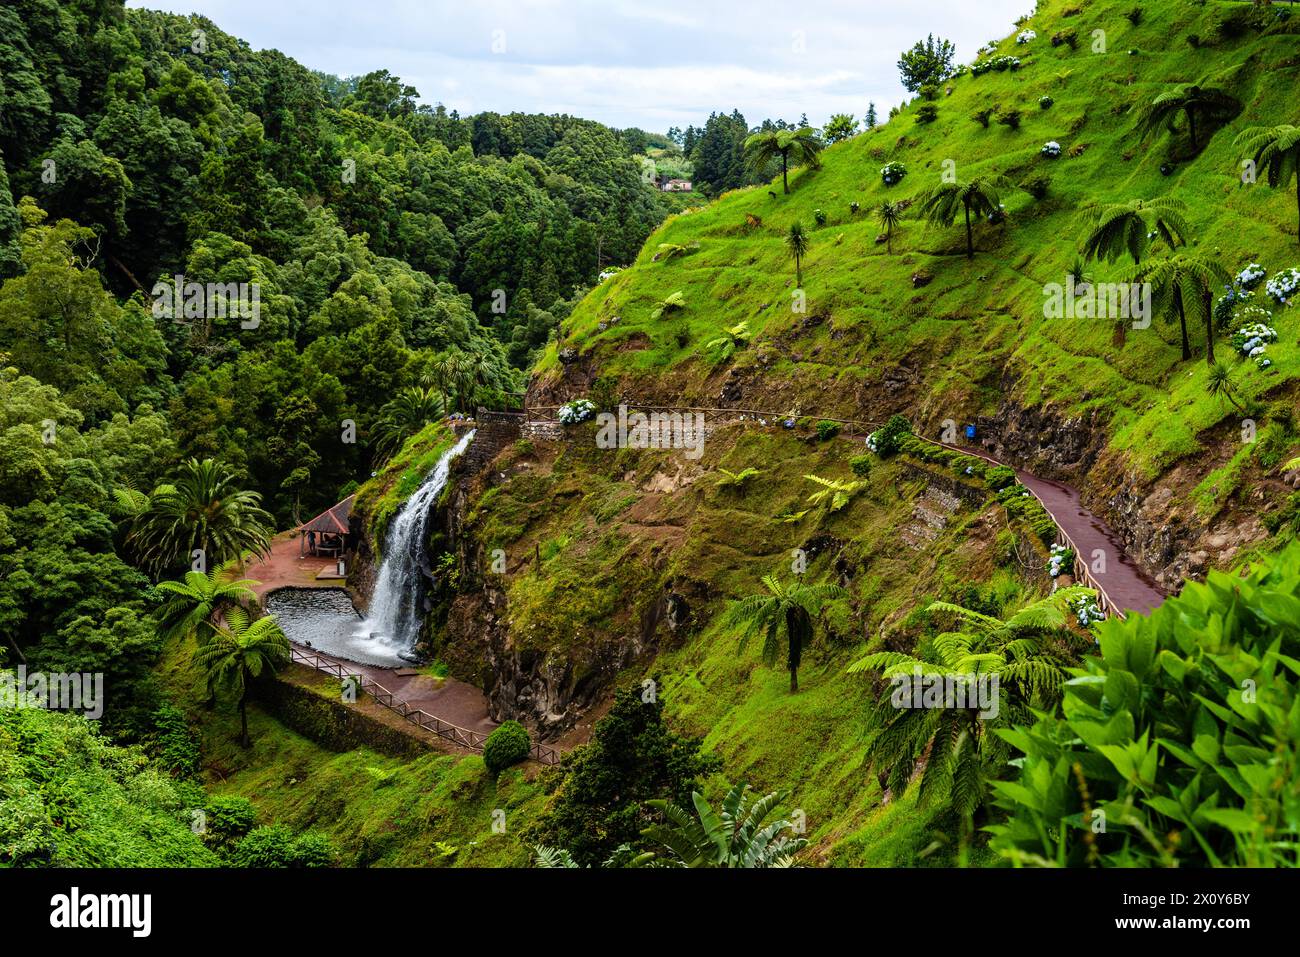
(394, 619)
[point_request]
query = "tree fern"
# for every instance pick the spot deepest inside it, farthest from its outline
(834, 494)
(674, 301)
(730, 479)
(1276, 149)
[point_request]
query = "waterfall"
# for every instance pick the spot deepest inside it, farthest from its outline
(395, 613)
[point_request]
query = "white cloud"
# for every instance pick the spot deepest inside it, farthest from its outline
(624, 62)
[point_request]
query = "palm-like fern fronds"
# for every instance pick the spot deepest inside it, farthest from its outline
(835, 493)
(953, 743)
(674, 301)
(1116, 229)
(726, 344)
(549, 857)
(792, 147)
(730, 479)
(1197, 103)
(1276, 149)
(1183, 285)
(738, 834)
(782, 612)
(981, 196)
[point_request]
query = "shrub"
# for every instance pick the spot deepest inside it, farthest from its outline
(983, 116)
(506, 745)
(1069, 38)
(276, 846)
(1021, 504)
(819, 217)
(1051, 149)
(887, 440)
(175, 745)
(228, 819)
(1284, 285)
(1179, 736)
(1060, 561)
(1010, 118)
(927, 113)
(1045, 102)
(861, 465)
(827, 430)
(999, 477)
(892, 173)
(998, 63)
(1134, 16)
(575, 411)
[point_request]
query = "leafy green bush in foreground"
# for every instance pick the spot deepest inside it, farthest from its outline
(1178, 745)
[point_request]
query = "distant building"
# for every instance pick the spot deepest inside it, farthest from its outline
(677, 186)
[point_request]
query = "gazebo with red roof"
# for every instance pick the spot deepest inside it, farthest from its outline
(327, 533)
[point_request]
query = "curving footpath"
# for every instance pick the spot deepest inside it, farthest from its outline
(1125, 587)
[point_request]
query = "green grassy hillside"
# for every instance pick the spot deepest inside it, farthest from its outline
(596, 540)
(976, 323)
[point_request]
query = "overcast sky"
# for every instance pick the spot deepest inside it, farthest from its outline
(646, 63)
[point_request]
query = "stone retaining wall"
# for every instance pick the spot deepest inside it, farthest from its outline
(494, 432)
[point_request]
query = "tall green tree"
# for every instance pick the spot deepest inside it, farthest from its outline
(1028, 651)
(841, 126)
(796, 243)
(799, 147)
(928, 61)
(238, 652)
(203, 509)
(1203, 104)
(10, 228)
(633, 756)
(784, 613)
(943, 204)
(1275, 149)
(1182, 284)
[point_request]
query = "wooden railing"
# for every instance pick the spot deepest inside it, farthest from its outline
(463, 737)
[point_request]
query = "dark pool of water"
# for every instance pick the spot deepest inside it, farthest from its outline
(325, 620)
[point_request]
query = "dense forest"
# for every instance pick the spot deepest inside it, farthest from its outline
(235, 291)
(385, 237)
(409, 263)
